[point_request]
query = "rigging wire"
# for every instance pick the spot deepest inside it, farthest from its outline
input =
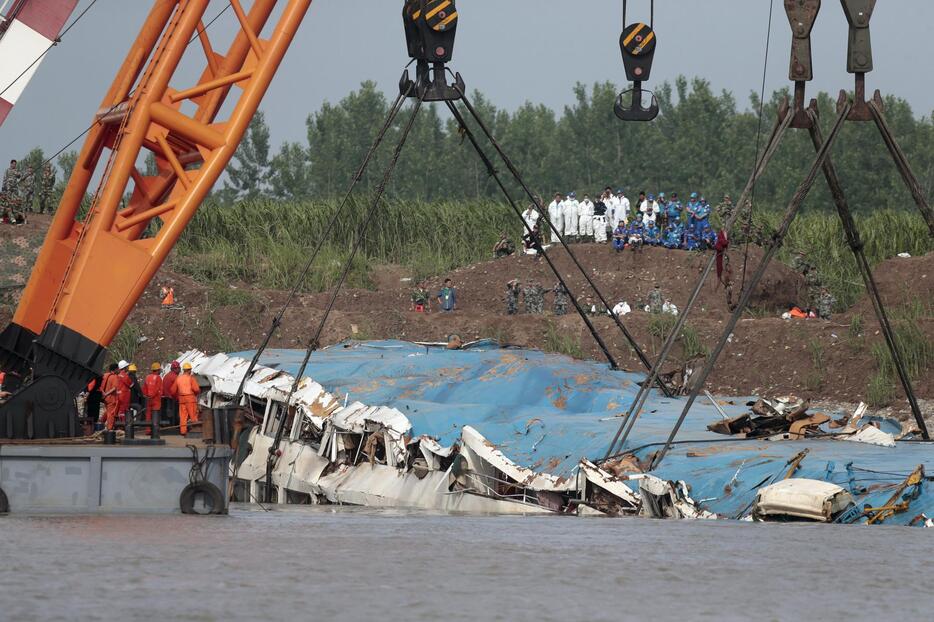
(358, 176)
(755, 164)
(51, 45)
(314, 342)
(544, 215)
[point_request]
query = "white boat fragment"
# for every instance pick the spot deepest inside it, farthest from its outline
(801, 498)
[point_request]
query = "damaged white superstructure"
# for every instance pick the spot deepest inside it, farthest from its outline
(350, 453)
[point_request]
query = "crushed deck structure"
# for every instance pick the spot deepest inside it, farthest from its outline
(488, 429)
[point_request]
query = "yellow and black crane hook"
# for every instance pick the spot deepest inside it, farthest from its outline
(430, 31)
(637, 44)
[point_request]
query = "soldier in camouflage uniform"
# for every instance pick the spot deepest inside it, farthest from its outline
(421, 299)
(512, 297)
(825, 303)
(46, 189)
(656, 300)
(725, 210)
(562, 299)
(9, 191)
(757, 234)
(534, 295)
(812, 278)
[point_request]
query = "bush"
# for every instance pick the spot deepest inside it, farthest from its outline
(560, 342)
(691, 343)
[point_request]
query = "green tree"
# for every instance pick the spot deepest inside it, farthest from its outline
(248, 175)
(291, 173)
(340, 135)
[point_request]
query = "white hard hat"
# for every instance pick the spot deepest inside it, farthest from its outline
(122, 365)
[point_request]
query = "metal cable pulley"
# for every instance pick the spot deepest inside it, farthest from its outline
(637, 43)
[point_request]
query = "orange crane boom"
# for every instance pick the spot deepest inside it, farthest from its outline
(93, 268)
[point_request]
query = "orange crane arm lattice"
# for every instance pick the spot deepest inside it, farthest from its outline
(92, 270)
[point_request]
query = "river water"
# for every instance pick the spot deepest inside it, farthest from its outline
(355, 564)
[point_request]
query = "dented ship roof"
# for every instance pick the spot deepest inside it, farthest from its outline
(543, 411)
(547, 412)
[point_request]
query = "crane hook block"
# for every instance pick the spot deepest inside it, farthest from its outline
(859, 51)
(801, 15)
(637, 43)
(430, 29)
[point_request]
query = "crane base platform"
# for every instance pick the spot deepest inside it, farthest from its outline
(173, 478)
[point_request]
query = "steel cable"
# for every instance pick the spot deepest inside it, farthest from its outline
(315, 340)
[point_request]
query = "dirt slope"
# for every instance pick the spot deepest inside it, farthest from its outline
(765, 355)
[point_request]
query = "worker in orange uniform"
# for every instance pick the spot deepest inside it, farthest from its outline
(152, 391)
(168, 296)
(110, 387)
(170, 403)
(186, 391)
(123, 389)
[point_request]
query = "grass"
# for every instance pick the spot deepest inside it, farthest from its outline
(226, 296)
(916, 350)
(880, 391)
(815, 380)
(126, 343)
(691, 343)
(211, 333)
(661, 325)
(559, 342)
(266, 242)
(885, 233)
(856, 325)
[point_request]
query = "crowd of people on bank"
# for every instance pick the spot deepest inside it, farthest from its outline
(20, 187)
(652, 220)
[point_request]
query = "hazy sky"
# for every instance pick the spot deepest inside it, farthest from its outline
(512, 50)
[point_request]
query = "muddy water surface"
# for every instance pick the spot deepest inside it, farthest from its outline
(325, 564)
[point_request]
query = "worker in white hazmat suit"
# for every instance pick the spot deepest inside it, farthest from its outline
(571, 210)
(649, 210)
(623, 207)
(585, 211)
(530, 216)
(556, 216)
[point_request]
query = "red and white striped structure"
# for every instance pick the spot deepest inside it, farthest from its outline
(27, 29)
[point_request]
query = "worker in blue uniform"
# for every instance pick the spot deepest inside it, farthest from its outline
(692, 208)
(674, 209)
(708, 237)
(620, 236)
(674, 235)
(652, 235)
(701, 217)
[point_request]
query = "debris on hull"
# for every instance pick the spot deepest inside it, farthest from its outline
(507, 431)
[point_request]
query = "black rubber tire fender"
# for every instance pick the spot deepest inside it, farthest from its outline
(187, 498)
(4, 503)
